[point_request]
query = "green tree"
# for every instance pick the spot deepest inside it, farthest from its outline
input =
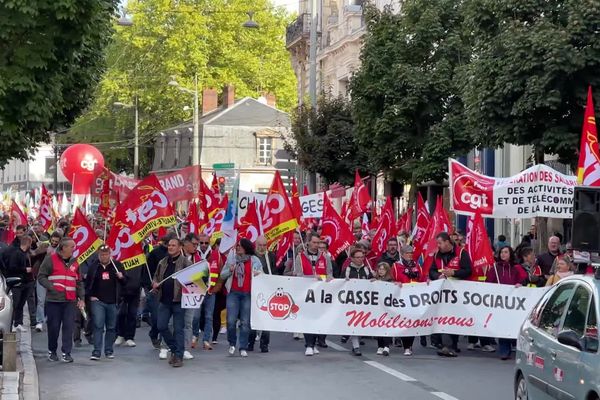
(51, 57)
(534, 61)
(185, 39)
(406, 102)
(323, 140)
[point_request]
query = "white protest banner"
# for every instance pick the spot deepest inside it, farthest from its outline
(365, 308)
(312, 205)
(539, 191)
(244, 198)
(193, 288)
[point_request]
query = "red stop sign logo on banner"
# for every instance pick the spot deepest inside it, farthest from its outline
(279, 306)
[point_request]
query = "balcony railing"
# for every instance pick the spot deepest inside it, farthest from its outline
(299, 29)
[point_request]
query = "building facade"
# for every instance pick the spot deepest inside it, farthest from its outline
(22, 176)
(246, 132)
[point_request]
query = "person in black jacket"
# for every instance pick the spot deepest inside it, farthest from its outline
(103, 284)
(18, 265)
(391, 255)
(128, 307)
(450, 262)
(157, 254)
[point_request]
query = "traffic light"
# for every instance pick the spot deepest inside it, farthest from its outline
(221, 180)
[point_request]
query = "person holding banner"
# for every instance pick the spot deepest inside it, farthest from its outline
(169, 297)
(506, 271)
(312, 263)
(383, 274)
(239, 269)
(449, 262)
(358, 269)
(267, 259)
(407, 271)
(190, 251)
(103, 284)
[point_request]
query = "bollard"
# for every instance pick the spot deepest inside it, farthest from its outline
(9, 352)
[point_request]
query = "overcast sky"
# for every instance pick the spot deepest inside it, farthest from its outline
(291, 5)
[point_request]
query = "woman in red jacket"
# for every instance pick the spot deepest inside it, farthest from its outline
(407, 271)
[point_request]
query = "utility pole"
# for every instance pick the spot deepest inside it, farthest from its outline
(136, 148)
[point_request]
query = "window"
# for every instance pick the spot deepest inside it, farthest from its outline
(578, 311)
(177, 147)
(590, 335)
(265, 150)
(555, 308)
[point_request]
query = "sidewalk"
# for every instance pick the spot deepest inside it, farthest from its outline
(22, 384)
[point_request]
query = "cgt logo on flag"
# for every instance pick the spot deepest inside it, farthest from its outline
(279, 306)
(470, 190)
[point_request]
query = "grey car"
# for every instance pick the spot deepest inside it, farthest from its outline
(557, 347)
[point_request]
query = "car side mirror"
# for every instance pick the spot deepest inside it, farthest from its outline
(12, 282)
(570, 338)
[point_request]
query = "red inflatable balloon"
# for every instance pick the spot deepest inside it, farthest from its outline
(80, 163)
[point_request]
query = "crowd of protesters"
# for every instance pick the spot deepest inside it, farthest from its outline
(105, 303)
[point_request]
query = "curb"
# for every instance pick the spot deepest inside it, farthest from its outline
(30, 389)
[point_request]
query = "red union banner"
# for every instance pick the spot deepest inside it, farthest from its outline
(278, 217)
(180, 185)
(146, 209)
(86, 240)
(539, 191)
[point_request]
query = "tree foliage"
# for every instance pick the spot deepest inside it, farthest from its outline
(408, 111)
(534, 61)
(182, 39)
(323, 140)
(51, 57)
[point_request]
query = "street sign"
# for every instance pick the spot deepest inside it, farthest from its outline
(285, 165)
(224, 166)
(283, 154)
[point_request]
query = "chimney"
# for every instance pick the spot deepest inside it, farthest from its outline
(271, 99)
(210, 100)
(228, 95)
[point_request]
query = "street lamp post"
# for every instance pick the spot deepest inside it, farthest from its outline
(55, 151)
(136, 144)
(196, 134)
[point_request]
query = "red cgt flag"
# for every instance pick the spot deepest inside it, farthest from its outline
(214, 186)
(145, 209)
(385, 229)
(335, 229)
(209, 201)
(359, 200)
(307, 222)
(123, 248)
(423, 219)
(439, 223)
(193, 219)
(478, 246)
(588, 167)
(295, 202)
(86, 240)
(45, 217)
(278, 217)
(285, 242)
(17, 217)
(249, 226)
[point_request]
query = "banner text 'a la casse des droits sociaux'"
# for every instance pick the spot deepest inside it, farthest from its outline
(365, 308)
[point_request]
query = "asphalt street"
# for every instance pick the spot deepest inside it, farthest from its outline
(283, 373)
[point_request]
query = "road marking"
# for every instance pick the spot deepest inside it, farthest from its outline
(391, 371)
(444, 396)
(335, 346)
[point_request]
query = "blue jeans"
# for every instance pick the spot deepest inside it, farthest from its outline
(175, 339)
(104, 315)
(40, 314)
(152, 305)
(208, 308)
(238, 306)
(505, 347)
